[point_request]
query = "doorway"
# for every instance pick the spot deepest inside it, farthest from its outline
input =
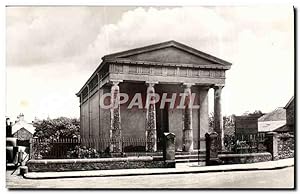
(162, 123)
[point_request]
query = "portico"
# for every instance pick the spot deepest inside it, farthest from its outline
(177, 73)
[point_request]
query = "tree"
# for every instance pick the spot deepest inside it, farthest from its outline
(229, 129)
(228, 124)
(52, 129)
(61, 127)
(256, 112)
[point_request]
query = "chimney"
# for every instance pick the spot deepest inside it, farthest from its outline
(21, 117)
(8, 128)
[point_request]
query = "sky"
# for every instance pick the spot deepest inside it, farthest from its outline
(52, 51)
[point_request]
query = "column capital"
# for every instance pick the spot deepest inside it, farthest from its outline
(218, 86)
(151, 83)
(188, 85)
(115, 81)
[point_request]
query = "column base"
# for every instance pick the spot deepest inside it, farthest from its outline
(151, 144)
(187, 141)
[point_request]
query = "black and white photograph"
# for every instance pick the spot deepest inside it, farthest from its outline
(150, 97)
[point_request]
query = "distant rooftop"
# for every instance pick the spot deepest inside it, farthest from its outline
(21, 123)
(290, 101)
(278, 114)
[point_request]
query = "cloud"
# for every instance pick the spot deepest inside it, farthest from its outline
(52, 51)
(142, 26)
(42, 35)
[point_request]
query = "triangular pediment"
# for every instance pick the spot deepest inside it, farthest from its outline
(168, 52)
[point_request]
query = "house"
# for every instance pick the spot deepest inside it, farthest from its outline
(290, 114)
(152, 81)
(280, 120)
(290, 120)
(22, 130)
(272, 121)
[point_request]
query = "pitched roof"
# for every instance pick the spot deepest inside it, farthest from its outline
(290, 101)
(119, 56)
(163, 45)
(278, 114)
(284, 128)
(23, 124)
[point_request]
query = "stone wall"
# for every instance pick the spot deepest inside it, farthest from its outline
(286, 146)
(244, 158)
(94, 116)
(84, 120)
(97, 164)
(133, 120)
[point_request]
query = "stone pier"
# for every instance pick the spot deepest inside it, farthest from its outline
(151, 145)
(115, 119)
(218, 118)
(187, 137)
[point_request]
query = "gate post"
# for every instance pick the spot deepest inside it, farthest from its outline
(169, 150)
(272, 144)
(30, 148)
(212, 148)
(33, 148)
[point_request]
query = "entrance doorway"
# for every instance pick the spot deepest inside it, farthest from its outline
(162, 123)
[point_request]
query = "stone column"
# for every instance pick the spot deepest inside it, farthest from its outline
(81, 116)
(218, 118)
(187, 137)
(151, 144)
(203, 115)
(115, 119)
(99, 106)
(89, 110)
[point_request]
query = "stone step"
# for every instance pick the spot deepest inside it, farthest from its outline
(190, 153)
(177, 153)
(189, 156)
(190, 160)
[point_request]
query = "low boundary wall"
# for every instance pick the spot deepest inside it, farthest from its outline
(57, 165)
(245, 158)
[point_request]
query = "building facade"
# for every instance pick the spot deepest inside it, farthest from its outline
(290, 113)
(21, 129)
(165, 69)
(290, 118)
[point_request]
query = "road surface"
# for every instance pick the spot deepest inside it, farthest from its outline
(243, 179)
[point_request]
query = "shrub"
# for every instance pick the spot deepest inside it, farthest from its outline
(84, 152)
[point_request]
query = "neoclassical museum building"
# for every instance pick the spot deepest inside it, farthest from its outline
(166, 90)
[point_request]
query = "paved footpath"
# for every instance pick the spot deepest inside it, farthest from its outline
(181, 168)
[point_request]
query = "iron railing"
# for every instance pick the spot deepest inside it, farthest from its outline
(59, 148)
